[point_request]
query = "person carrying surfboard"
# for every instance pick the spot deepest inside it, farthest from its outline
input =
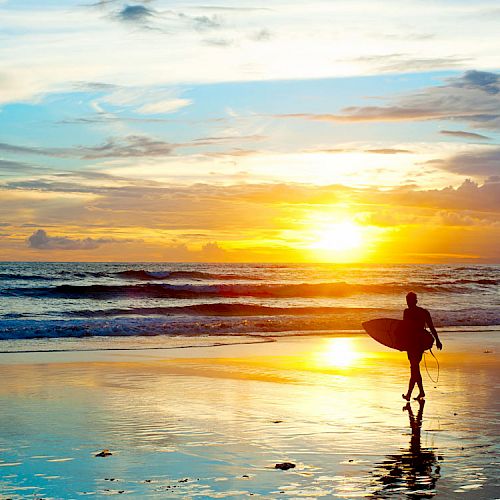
(421, 318)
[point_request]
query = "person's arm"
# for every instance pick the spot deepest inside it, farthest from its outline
(430, 324)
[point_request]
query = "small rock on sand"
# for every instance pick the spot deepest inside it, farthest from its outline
(285, 466)
(104, 453)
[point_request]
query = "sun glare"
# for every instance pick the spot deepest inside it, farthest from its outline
(336, 236)
(339, 237)
(339, 353)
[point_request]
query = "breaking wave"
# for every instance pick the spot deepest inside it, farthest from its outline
(217, 309)
(184, 275)
(158, 290)
(294, 323)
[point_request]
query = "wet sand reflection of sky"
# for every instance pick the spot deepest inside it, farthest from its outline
(198, 427)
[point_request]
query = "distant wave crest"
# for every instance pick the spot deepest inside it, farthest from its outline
(142, 274)
(27, 277)
(219, 309)
(159, 290)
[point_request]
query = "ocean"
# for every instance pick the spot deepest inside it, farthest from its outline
(80, 300)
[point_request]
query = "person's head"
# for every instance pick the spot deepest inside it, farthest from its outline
(411, 299)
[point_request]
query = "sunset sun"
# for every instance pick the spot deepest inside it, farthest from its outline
(339, 237)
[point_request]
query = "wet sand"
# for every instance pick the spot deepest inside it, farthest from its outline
(212, 422)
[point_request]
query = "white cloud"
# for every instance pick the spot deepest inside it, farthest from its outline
(166, 106)
(310, 40)
(150, 100)
(352, 164)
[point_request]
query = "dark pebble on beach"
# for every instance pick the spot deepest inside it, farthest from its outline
(440, 457)
(103, 453)
(284, 466)
(277, 421)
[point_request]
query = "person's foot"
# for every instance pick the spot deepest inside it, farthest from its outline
(420, 396)
(406, 396)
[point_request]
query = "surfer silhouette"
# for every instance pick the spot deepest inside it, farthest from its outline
(420, 318)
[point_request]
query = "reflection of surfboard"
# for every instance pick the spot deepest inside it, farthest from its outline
(399, 334)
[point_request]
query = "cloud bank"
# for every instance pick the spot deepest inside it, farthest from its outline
(40, 240)
(473, 98)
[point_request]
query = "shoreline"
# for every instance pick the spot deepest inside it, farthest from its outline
(162, 342)
(456, 328)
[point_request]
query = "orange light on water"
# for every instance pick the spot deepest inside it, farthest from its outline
(339, 353)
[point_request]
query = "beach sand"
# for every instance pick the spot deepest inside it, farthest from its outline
(212, 422)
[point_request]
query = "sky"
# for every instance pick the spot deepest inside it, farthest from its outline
(279, 131)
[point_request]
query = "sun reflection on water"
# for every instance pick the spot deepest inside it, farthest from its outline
(339, 353)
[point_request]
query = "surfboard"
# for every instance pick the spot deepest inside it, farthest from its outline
(399, 334)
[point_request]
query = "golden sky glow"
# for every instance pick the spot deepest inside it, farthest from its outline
(295, 134)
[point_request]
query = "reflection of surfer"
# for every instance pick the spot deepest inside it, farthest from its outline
(421, 318)
(416, 426)
(414, 472)
(420, 461)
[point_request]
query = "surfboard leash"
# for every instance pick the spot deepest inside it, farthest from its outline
(426, 369)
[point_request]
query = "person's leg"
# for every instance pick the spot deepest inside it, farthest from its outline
(413, 380)
(411, 385)
(417, 376)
